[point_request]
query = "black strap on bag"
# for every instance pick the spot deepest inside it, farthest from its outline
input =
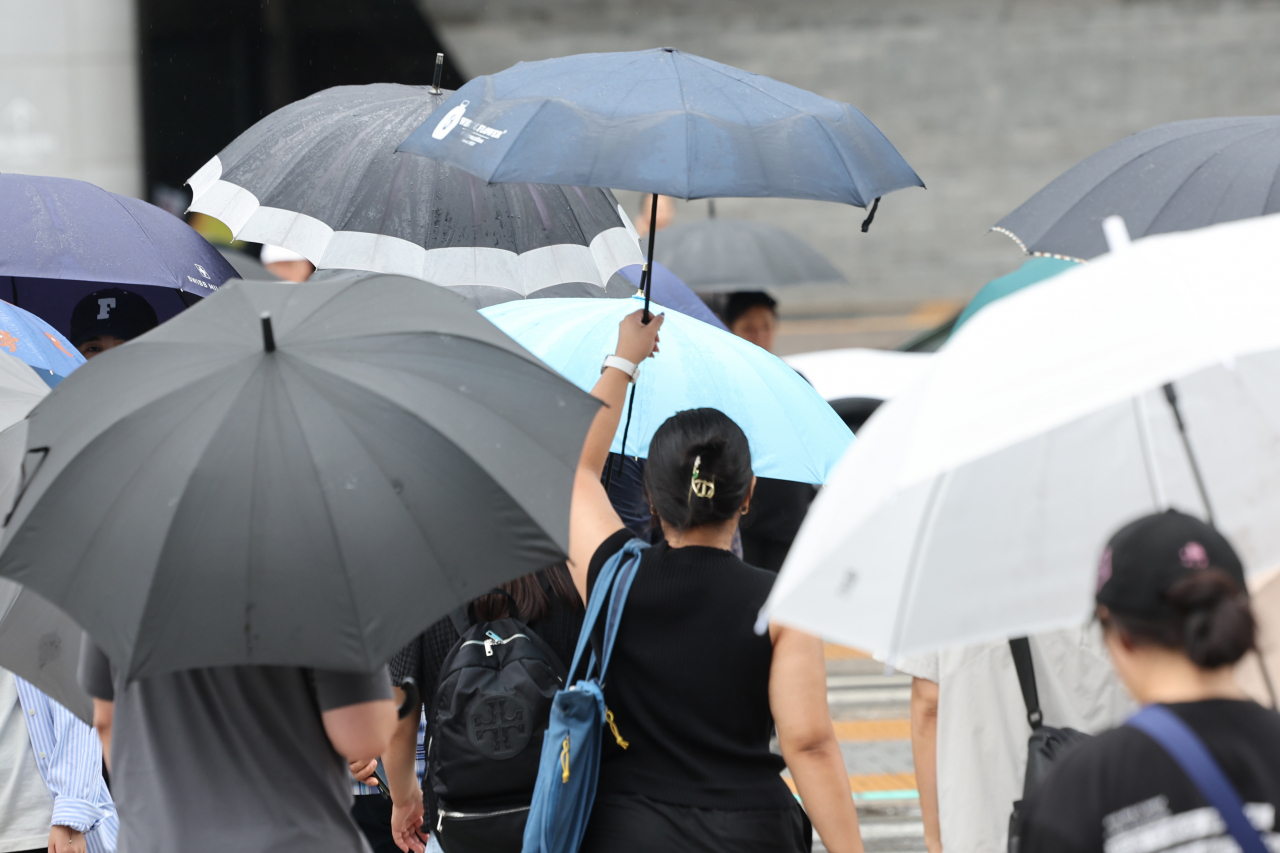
(1021, 648)
(1046, 745)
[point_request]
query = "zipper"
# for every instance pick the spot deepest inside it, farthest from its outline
(474, 815)
(494, 640)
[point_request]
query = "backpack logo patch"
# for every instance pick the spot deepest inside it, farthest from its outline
(499, 725)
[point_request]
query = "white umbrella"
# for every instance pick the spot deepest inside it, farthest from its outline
(37, 640)
(860, 373)
(975, 505)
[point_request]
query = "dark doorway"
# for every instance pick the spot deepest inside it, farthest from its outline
(211, 68)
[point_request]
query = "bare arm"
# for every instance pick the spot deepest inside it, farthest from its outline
(924, 750)
(103, 715)
(798, 699)
(361, 731)
(592, 518)
(402, 778)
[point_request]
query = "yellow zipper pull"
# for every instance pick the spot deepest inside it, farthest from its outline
(608, 718)
(564, 760)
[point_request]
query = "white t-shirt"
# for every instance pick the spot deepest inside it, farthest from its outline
(983, 729)
(26, 808)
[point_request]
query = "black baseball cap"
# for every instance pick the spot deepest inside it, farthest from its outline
(1148, 556)
(113, 311)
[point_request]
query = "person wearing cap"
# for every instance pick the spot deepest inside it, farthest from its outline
(286, 264)
(1176, 619)
(108, 318)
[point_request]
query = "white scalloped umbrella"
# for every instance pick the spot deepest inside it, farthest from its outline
(975, 505)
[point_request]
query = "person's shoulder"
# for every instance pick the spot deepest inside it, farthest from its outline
(1111, 753)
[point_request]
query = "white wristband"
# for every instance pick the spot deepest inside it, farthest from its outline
(620, 363)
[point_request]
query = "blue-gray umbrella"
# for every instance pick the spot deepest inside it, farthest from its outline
(661, 121)
(1173, 177)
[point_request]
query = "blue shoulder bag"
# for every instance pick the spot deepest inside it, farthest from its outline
(570, 762)
(1185, 747)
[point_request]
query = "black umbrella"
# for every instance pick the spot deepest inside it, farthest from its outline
(1173, 177)
(722, 255)
(322, 177)
(295, 474)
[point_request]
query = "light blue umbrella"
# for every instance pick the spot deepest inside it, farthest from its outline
(28, 338)
(794, 433)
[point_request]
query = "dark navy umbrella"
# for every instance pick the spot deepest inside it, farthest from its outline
(1172, 177)
(661, 121)
(61, 240)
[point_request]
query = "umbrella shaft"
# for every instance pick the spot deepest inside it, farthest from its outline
(647, 276)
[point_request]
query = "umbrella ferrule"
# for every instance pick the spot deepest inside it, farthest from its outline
(435, 81)
(268, 337)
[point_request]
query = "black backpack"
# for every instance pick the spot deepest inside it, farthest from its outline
(490, 710)
(1046, 745)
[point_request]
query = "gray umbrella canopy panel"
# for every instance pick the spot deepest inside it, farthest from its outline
(203, 501)
(322, 177)
(1172, 177)
(723, 255)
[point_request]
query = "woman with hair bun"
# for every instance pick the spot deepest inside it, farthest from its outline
(1175, 614)
(694, 692)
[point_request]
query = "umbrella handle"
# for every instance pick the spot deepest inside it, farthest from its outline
(412, 698)
(646, 277)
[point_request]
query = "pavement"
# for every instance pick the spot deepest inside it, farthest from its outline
(871, 712)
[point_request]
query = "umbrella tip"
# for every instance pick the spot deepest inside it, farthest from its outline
(435, 82)
(268, 337)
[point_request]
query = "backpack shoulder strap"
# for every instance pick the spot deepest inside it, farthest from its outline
(1185, 747)
(1021, 648)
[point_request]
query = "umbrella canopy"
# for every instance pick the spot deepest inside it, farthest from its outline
(61, 240)
(37, 640)
(1173, 177)
(1032, 271)
(794, 434)
(670, 291)
(721, 255)
(976, 505)
(311, 487)
(322, 177)
(37, 344)
(661, 121)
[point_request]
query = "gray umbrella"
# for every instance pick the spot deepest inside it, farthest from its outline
(311, 488)
(37, 640)
(322, 177)
(721, 255)
(1173, 177)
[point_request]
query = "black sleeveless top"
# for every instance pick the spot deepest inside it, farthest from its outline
(688, 684)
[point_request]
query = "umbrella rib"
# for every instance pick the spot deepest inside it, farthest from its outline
(1204, 164)
(1085, 196)
(333, 530)
(145, 234)
(504, 418)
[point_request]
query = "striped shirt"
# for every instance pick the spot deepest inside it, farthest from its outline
(69, 757)
(420, 762)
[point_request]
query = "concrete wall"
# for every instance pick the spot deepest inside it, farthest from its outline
(988, 99)
(69, 91)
